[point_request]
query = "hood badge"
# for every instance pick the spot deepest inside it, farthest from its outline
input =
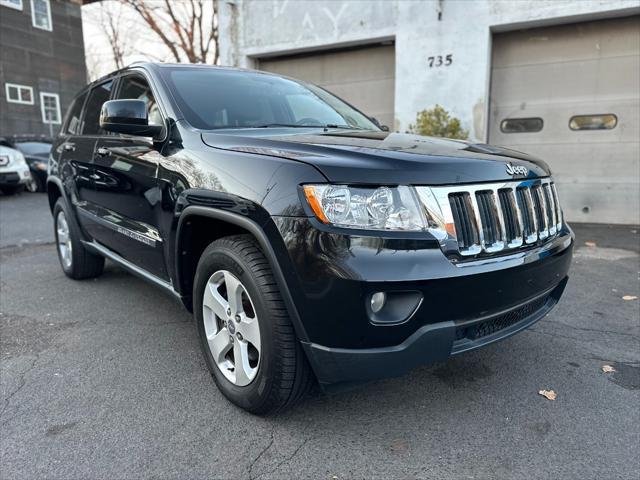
(516, 169)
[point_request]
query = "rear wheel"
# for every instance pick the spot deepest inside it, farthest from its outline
(76, 261)
(246, 335)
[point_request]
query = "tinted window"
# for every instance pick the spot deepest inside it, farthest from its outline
(97, 97)
(211, 98)
(34, 148)
(521, 125)
(136, 87)
(593, 122)
(73, 125)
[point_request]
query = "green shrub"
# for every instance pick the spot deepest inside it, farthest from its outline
(436, 122)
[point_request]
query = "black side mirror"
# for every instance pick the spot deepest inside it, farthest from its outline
(384, 128)
(127, 116)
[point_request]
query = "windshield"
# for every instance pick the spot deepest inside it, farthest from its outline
(211, 98)
(34, 148)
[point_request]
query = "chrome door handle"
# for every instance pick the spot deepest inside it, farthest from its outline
(103, 152)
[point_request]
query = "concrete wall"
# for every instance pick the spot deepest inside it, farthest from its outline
(49, 61)
(421, 29)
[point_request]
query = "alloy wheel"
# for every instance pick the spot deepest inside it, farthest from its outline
(64, 240)
(231, 327)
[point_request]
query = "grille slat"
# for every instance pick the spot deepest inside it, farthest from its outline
(463, 220)
(540, 207)
(496, 217)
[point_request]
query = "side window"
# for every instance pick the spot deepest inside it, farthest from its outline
(99, 94)
(136, 87)
(72, 122)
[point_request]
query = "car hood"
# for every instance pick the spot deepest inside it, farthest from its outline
(382, 157)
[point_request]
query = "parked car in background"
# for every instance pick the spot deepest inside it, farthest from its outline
(14, 171)
(36, 153)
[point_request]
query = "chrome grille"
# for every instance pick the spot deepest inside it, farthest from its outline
(489, 218)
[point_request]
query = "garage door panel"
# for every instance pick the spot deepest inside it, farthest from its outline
(612, 203)
(583, 41)
(364, 77)
(569, 81)
(556, 119)
(588, 163)
(581, 69)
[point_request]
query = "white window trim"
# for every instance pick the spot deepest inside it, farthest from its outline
(5, 3)
(18, 86)
(33, 17)
(42, 110)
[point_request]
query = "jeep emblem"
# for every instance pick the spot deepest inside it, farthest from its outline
(516, 169)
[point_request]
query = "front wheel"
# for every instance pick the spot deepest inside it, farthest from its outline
(246, 335)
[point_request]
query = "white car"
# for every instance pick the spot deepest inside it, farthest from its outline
(14, 171)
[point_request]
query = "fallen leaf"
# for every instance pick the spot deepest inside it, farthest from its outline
(608, 369)
(590, 244)
(629, 297)
(548, 394)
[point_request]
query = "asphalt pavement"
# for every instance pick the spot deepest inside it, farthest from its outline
(104, 379)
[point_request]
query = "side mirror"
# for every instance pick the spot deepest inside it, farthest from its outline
(384, 128)
(129, 117)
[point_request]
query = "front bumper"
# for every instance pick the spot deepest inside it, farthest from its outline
(13, 177)
(337, 367)
(333, 274)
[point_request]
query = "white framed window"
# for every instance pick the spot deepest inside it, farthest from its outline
(50, 107)
(41, 14)
(18, 93)
(17, 4)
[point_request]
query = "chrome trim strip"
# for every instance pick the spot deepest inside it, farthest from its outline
(95, 247)
(150, 239)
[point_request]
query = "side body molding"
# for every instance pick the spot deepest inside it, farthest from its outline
(258, 232)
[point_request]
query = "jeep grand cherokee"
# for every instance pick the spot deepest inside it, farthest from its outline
(310, 244)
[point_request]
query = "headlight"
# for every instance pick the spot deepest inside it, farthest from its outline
(382, 208)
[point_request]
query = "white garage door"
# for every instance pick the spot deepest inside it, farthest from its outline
(570, 94)
(364, 77)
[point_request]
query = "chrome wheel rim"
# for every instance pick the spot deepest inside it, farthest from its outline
(64, 240)
(231, 328)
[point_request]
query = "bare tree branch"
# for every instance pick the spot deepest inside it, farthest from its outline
(182, 27)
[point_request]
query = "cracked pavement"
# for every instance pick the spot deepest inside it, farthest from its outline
(104, 379)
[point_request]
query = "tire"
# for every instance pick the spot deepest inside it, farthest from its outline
(12, 189)
(76, 261)
(283, 375)
(34, 185)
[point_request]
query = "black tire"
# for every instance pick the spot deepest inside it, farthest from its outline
(12, 189)
(284, 376)
(35, 184)
(84, 264)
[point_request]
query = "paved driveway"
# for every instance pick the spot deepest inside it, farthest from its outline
(104, 379)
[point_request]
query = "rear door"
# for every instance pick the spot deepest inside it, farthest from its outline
(126, 192)
(76, 151)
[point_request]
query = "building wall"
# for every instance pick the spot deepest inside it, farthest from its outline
(421, 29)
(48, 61)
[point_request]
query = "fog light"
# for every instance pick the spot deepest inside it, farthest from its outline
(378, 300)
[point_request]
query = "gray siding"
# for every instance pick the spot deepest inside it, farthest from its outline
(48, 61)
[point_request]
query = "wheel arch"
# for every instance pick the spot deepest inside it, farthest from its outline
(192, 220)
(54, 191)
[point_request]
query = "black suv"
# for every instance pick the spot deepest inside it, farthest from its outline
(311, 244)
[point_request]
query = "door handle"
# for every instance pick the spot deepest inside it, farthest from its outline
(103, 152)
(69, 147)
